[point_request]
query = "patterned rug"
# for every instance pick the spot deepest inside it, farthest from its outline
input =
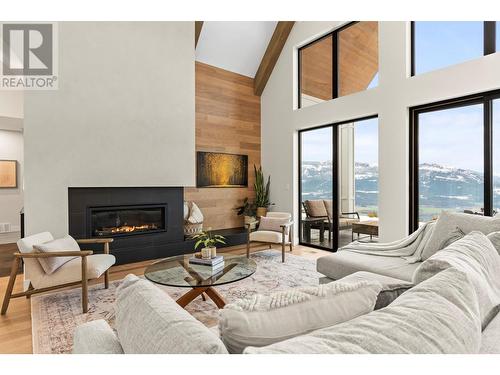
(54, 316)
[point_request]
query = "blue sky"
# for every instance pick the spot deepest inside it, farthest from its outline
(437, 44)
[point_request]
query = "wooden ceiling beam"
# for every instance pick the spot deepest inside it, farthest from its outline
(276, 44)
(198, 25)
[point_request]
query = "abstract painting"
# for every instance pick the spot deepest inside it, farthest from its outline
(8, 174)
(219, 170)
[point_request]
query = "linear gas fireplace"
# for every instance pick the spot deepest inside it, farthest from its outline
(144, 222)
(115, 221)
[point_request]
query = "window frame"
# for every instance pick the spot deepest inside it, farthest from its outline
(486, 99)
(335, 176)
(489, 43)
(335, 62)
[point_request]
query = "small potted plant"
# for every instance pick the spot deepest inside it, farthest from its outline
(262, 192)
(249, 212)
(209, 242)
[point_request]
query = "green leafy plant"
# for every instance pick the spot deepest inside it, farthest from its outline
(208, 239)
(262, 190)
(247, 208)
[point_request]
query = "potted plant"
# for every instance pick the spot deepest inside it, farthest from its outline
(209, 242)
(249, 212)
(262, 191)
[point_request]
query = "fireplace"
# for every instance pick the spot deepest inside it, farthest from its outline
(144, 222)
(113, 221)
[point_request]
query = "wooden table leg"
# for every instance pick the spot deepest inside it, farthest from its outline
(185, 299)
(216, 297)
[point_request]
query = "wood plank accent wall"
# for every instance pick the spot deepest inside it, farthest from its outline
(227, 120)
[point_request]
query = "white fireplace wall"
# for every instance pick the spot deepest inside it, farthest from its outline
(123, 116)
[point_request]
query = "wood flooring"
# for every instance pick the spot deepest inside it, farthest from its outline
(15, 326)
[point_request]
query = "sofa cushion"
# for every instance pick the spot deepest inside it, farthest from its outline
(72, 271)
(315, 208)
(96, 337)
(267, 236)
(490, 342)
(345, 262)
(263, 320)
(475, 255)
(440, 315)
(66, 243)
(447, 224)
(148, 321)
(494, 237)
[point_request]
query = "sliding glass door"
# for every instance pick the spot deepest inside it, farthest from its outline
(317, 184)
(338, 183)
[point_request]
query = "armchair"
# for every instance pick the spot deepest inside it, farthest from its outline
(272, 235)
(86, 266)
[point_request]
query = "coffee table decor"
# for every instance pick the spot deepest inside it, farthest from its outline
(179, 272)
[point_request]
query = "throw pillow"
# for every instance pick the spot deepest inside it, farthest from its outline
(272, 224)
(438, 316)
(446, 226)
(263, 320)
(52, 264)
(475, 256)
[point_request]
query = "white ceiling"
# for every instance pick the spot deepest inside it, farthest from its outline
(234, 46)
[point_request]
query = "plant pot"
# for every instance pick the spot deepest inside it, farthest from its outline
(251, 220)
(209, 252)
(261, 211)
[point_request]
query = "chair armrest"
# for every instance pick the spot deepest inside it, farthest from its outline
(94, 240)
(54, 254)
(248, 225)
(286, 225)
(351, 213)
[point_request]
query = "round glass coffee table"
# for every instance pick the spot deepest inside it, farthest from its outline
(178, 272)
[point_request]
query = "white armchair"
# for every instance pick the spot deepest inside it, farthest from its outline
(279, 230)
(85, 266)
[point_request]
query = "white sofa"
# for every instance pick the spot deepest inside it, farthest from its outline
(440, 315)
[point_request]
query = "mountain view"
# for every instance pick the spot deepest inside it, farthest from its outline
(440, 187)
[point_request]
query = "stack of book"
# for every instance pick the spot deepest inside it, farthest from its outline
(207, 266)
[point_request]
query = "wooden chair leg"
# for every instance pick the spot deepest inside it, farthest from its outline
(290, 237)
(270, 245)
(10, 285)
(30, 287)
(106, 279)
(248, 249)
(85, 295)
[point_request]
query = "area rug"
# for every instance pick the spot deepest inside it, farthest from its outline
(54, 316)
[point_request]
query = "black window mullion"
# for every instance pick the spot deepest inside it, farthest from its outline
(488, 158)
(335, 68)
(489, 37)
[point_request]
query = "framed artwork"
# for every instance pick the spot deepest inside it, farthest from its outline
(220, 170)
(8, 174)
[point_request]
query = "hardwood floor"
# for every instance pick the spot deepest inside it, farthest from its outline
(6, 251)
(15, 326)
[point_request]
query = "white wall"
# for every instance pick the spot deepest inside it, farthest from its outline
(123, 115)
(396, 92)
(11, 200)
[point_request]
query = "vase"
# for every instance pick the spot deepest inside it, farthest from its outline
(206, 253)
(261, 211)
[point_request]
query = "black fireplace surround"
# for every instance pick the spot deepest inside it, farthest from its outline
(144, 222)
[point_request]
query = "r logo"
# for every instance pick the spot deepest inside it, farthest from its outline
(27, 49)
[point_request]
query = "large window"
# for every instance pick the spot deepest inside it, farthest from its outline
(340, 63)
(455, 158)
(440, 44)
